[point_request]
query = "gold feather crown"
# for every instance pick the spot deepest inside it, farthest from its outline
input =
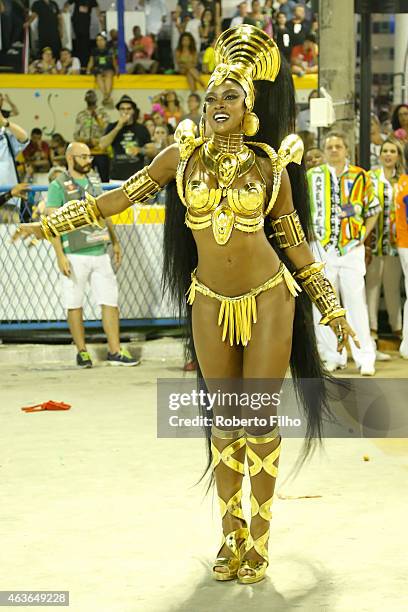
(245, 54)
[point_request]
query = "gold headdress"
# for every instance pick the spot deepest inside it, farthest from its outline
(245, 54)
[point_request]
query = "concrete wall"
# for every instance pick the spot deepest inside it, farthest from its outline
(52, 102)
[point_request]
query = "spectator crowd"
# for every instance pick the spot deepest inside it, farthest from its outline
(179, 41)
(182, 42)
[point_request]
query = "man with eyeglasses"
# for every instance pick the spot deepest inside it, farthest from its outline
(82, 256)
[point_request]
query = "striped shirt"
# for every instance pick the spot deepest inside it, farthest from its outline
(384, 232)
(340, 205)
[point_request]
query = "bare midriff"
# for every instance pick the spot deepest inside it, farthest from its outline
(245, 262)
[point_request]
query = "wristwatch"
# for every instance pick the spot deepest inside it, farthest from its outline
(6, 124)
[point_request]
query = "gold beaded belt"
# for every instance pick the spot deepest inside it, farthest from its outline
(237, 314)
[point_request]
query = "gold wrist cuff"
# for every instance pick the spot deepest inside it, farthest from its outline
(140, 187)
(288, 231)
(339, 312)
(71, 216)
(321, 292)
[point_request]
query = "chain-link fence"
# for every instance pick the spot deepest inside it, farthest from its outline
(30, 279)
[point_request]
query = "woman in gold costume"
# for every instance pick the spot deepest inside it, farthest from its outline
(237, 210)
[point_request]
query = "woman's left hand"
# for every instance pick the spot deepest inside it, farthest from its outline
(343, 330)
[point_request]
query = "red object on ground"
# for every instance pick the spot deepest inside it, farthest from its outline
(50, 405)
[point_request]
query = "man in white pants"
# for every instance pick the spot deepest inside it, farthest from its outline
(344, 211)
(82, 256)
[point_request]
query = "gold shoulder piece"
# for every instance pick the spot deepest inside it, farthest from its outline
(185, 136)
(273, 156)
(291, 150)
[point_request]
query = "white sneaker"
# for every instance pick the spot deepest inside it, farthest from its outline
(367, 371)
(379, 356)
(332, 367)
(403, 354)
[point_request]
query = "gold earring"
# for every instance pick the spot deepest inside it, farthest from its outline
(201, 127)
(250, 124)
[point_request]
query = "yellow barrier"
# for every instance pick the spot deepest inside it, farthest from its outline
(145, 215)
(125, 81)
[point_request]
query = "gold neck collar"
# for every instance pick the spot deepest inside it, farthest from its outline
(233, 143)
(231, 162)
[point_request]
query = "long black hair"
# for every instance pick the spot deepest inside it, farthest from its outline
(395, 122)
(275, 108)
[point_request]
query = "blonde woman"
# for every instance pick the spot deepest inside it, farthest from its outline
(384, 269)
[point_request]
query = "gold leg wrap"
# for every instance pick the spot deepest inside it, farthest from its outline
(237, 314)
(225, 568)
(250, 570)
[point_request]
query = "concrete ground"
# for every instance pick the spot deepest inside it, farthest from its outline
(93, 503)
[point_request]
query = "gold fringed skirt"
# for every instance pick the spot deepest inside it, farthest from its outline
(237, 314)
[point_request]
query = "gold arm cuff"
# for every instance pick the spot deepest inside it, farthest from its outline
(321, 292)
(288, 231)
(73, 215)
(140, 187)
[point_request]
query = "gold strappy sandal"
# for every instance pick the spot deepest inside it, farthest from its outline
(234, 540)
(251, 571)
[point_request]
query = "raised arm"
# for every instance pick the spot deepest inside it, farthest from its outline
(107, 139)
(79, 213)
(13, 108)
(161, 171)
(16, 130)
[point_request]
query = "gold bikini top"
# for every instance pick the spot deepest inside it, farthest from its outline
(223, 207)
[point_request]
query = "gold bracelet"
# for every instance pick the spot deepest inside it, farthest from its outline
(288, 231)
(140, 187)
(71, 216)
(321, 292)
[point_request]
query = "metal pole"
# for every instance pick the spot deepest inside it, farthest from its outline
(337, 62)
(121, 36)
(365, 91)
